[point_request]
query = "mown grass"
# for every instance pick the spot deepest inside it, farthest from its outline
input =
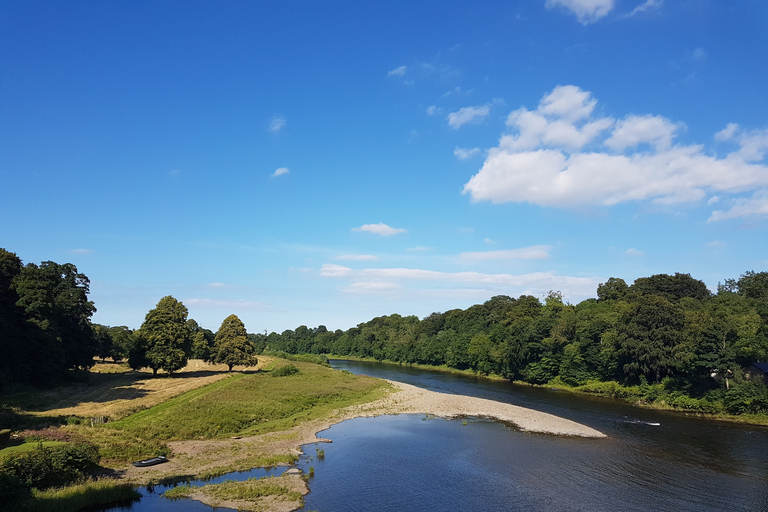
(244, 404)
(81, 496)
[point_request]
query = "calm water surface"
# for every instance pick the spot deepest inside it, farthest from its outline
(651, 460)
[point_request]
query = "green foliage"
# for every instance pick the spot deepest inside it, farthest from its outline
(48, 467)
(45, 327)
(84, 496)
(163, 342)
(243, 404)
(284, 371)
(747, 398)
(247, 490)
(231, 345)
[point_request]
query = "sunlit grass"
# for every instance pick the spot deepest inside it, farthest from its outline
(86, 495)
(244, 404)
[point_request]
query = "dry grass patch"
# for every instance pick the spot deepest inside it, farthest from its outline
(114, 391)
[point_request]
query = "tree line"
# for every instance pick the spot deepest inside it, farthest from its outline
(666, 335)
(46, 330)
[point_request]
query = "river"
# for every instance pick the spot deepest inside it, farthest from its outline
(651, 460)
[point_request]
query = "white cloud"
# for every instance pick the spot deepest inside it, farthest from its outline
(757, 205)
(468, 115)
(380, 229)
(586, 11)
(489, 241)
(648, 5)
(433, 110)
(231, 305)
(635, 252)
(217, 285)
(357, 257)
(277, 124)
(370, 287)
(81, 251)
(635, 130)
(543, 160)
(535, 252)
(419, 249)
(398, 71)
(466, 153)
(281, 171)
(415, 280)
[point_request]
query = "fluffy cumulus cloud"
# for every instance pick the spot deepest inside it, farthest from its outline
(468, 115)
(428, 282)
(586, 11)
(380, 229)
(564, 154)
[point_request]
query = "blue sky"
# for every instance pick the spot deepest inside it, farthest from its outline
(306, 163)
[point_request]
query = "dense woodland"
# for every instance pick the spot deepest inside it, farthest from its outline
(664, 338)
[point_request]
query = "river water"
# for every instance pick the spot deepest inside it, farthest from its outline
(651, 460)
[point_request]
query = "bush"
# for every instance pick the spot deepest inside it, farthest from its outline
(48, 467)
(13, 493)
(284, 371)
(747, 398)
(5, 436)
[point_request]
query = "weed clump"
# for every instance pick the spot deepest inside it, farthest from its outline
(285, 370)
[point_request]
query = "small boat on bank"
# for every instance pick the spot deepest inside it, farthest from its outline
(150, 462)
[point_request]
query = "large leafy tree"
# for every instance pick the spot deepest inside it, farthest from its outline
(11, 319)
(55, 300)
(163, 340)
(650, 338)
(231, 345)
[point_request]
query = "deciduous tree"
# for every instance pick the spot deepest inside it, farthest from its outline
(231, 345)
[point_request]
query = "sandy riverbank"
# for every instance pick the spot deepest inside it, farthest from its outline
(197, 457)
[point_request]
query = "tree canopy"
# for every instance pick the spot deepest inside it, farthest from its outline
(163, 342)
(231, 345)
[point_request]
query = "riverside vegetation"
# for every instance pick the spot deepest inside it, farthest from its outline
(664, 340)
(240, 405)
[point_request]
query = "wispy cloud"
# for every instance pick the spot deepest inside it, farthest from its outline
(357, 257)
(535, 252)
(563, 155)
(81, 251)
(755, 206)
(646, 6)
(398, 71)
(277, 124)
(466, 153)
(634, 252)
(586, 11)
(387, 279)
(231, 305)
(280, 171)
(467, 115)
(380, 229)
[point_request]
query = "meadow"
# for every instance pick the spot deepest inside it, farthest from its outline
(208, 422)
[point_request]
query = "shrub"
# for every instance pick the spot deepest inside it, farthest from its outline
(13, 493)
(285, 370)
(5, 436)
(747, 398)
(48, 467)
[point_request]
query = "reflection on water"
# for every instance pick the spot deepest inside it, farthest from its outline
(652, 460)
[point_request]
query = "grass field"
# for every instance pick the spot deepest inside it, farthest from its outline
(218, 421)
